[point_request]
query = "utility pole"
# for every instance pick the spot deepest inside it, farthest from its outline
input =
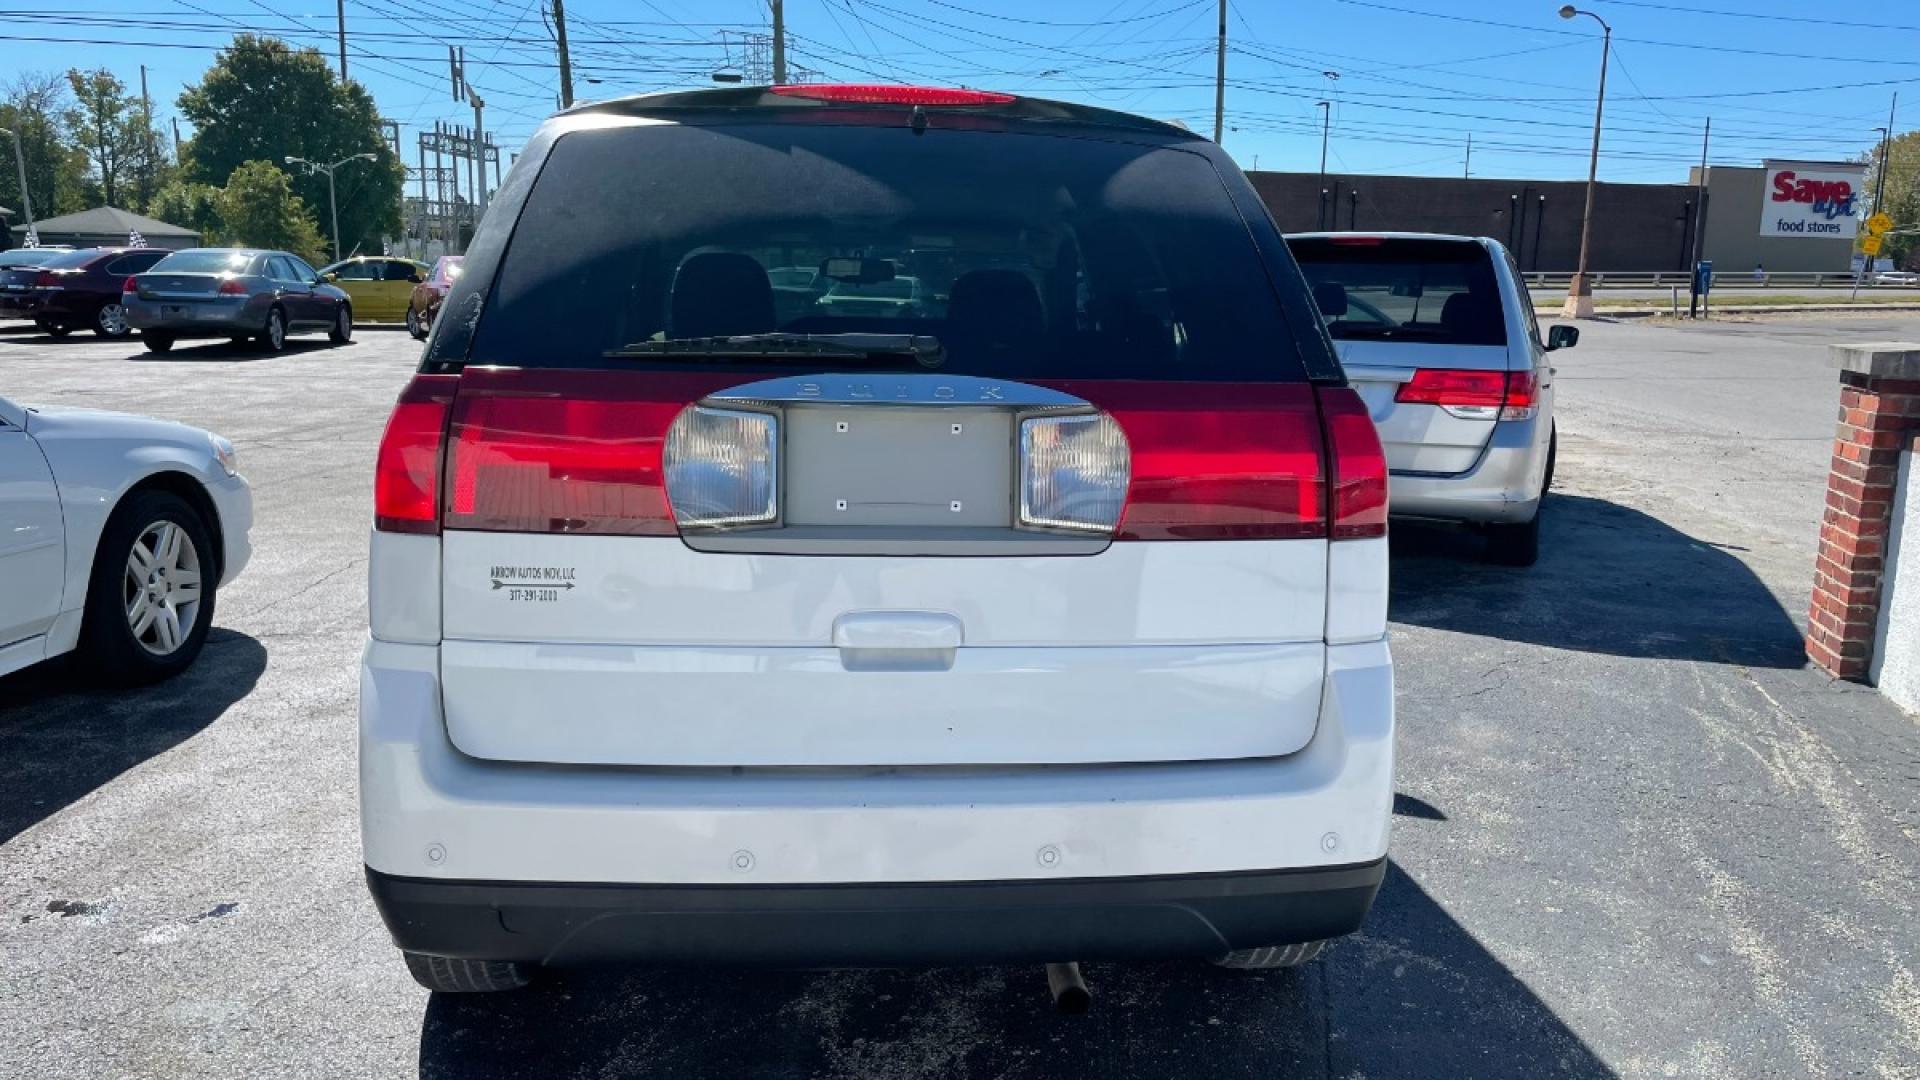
(566, 61)
(780, 41)
(333, 206)
(146, 141)
(479, 155)
(1220, 77)
(20, 160)
(1699, 219)
(340, 13)
(1886, 157)
(1326, 122)
(1466, 171)
(1580, 291)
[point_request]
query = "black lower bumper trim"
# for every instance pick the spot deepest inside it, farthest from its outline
(906, 924)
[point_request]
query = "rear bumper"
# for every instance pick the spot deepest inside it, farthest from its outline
(879, 924)
(19, 305)
(202, 317)
(1502, 487)
(429, 811)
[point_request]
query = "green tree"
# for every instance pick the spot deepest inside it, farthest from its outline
(1901, 200)
(190, 206)
(110, 124)
(35, 105)
(258, 208)
(264, 101)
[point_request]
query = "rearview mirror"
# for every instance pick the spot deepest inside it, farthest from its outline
(858, 271)
(1562, 337)
(1406, 288)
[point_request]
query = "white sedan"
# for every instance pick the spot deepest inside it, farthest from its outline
(116, 533)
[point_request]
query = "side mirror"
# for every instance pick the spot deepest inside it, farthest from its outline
(329, 277)
(1562, 337)
(416, 277)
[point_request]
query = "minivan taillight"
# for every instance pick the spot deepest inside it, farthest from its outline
(585, 452)
(1074, 471)
(719, 466)
(1472, 395)
(406, 471)
(1359, 497)
(1217, 461)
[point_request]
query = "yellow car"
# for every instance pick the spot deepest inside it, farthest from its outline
(380, 285)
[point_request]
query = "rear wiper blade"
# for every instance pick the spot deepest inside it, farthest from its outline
(923, 349)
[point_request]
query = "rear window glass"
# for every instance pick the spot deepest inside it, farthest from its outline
(1429, 291)
(28, 257)
(1026, 255)
(204, 262)
(67, 260)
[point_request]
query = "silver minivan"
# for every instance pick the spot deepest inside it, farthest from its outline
(1439, 336)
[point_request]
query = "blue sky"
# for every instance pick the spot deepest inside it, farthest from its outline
(1414, 79)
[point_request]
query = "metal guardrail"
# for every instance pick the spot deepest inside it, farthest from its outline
(1729, 279)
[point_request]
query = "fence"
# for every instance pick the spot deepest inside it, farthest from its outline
(1732, 279)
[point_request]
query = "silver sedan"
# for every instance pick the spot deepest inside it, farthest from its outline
(235, 293)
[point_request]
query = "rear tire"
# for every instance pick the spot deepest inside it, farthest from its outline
(342, 330)
(274, 335)
(55, 329)
(111, 321)
(413, 324)
(445, 975)
(1272, 957)
(156, 342)
(1515, 545)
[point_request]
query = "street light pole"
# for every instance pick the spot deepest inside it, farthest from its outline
(332, 206)
(1326, 118)
(1580, 290)
(20, 159)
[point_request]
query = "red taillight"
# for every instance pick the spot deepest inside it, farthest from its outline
(566, 451)
(131, 285)
(406, 471)
(45, 279)
(1359, 496)
(1217, 461)
(893, 95)
(233, 287)
(1477, 395)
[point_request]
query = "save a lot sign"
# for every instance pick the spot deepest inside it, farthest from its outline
(1811, 198)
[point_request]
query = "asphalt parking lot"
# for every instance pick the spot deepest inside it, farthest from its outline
(1635, 835)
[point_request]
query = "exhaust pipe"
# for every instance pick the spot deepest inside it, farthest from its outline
(1070, 994)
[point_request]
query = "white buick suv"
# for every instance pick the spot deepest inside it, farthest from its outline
(1043, 619)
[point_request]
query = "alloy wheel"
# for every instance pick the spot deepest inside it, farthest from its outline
(112, 320)
(161, 587)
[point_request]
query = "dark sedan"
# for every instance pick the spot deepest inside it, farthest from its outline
(75, 290)
(18, 268)
(236, 293)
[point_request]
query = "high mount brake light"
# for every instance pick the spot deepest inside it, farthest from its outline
(1356, 241)
(862, 94)
(1473, 395)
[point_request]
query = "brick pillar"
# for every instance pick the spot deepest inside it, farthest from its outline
(1879, 414)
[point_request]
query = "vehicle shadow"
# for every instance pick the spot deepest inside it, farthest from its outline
(1414, 995)
(1610, 580)
(228, 352)
(61, 737)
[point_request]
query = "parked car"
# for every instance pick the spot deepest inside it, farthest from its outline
(1439, 336)
(121, 530)
(424, 303)
(76, 290)
(18, 268)
(1048, 625)
(1897, 277)
(235, 293)
(379, 286)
